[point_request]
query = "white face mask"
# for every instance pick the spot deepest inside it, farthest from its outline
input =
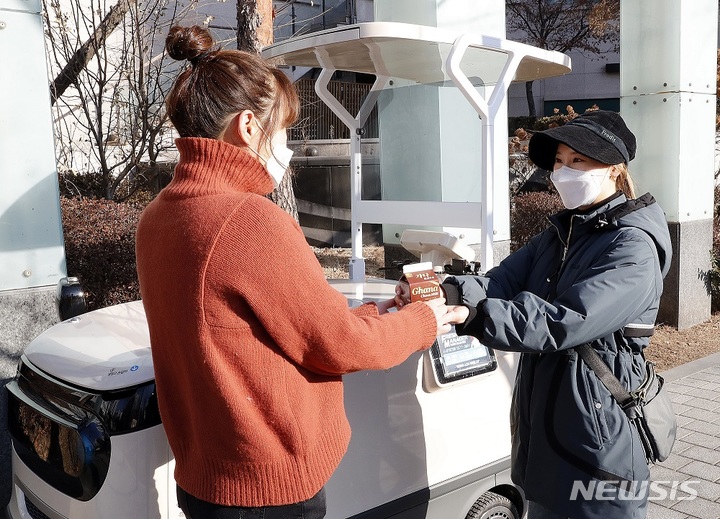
(578, 188)
(279, 161)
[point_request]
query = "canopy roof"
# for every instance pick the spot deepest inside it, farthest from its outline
(413, 52)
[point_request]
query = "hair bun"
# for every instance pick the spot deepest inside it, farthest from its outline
(188, 43)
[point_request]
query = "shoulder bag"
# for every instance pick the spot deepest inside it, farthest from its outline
(648, 407)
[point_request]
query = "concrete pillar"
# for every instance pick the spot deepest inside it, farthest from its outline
(31, 243)
(667, 86)
(430, 136)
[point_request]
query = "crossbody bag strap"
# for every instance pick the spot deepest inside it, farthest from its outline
(593, 360)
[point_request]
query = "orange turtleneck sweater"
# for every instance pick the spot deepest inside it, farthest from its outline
(249, 341)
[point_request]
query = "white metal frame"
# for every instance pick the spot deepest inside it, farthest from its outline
(313, 51)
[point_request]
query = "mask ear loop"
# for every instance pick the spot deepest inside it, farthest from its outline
(268, 140)
(272, 153)
(272, 150)
(599, 182)
(262, 159)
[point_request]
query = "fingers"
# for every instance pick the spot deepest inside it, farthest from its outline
(402, 298)
(445, 315)
(453, 315)
(440, 310)
(437, 303)
(443, 329)
(457, 314)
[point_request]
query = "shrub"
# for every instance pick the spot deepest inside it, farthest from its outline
(556, 119)
(81, 185)
(520, 122)
(543, 123)
(100, 242)
(100, 248)
(528, 215)
(138, 188)
(715, 281)
(714, 275)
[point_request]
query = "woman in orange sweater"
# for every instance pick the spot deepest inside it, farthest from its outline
(249, 341)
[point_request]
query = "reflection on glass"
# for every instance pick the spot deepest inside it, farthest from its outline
(53, 443)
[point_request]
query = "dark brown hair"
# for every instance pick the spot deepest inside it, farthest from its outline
(221, 83)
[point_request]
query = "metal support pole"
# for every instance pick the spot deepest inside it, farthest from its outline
(487, 110)
(354, 124)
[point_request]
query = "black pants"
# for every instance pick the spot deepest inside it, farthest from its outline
(194, 508)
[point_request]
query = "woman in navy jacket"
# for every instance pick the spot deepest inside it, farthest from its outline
(594, 276)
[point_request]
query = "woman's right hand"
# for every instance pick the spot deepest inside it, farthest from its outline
(402, 296)
(442, 316)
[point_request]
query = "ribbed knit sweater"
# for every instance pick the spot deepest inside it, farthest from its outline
(249, 341)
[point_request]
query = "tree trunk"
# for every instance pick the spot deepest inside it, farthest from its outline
(530, 99)
(255, 27)
(255, 30)
(75, 65)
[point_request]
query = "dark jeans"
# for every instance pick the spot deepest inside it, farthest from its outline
(194, 508)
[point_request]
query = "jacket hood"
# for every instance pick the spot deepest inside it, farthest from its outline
(642, 213)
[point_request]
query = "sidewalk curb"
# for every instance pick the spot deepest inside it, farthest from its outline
(691, 367)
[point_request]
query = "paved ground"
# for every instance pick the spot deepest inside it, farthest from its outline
(694, 464)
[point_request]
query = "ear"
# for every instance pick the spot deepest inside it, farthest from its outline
(244, 128)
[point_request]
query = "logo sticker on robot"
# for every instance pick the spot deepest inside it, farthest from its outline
(114, 371)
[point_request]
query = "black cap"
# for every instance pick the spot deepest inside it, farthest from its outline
(599, 134)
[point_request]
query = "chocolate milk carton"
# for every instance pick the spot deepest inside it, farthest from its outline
(420, 282)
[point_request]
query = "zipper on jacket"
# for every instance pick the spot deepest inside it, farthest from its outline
(566, 247)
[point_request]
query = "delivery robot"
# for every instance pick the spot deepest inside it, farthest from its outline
(430, 436)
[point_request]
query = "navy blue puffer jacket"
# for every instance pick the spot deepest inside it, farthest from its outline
(589, 278)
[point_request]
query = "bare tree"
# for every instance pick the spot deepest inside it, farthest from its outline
(109, 115)
(82, 56)
(255, 31)
(112, 79)
(564, 25)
